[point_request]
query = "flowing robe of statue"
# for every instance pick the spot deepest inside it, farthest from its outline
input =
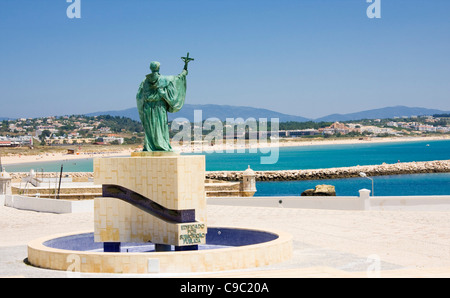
(156, 96)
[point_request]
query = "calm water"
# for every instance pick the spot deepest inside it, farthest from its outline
(396, 185)
(329, 156)
(314, 157)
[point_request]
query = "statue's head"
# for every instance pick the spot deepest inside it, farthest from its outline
(154, 66)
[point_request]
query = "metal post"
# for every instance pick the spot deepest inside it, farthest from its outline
(364, 175)
(60, 176)
(373, 194)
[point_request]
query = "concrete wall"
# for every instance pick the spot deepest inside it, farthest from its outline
(47, 205)
(362, 202)
(411, 203)
(336, 203)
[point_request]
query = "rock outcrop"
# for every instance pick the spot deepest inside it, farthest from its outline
(320, 190)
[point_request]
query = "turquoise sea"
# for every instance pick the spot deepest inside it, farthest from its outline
(314, 157)
(395, 185)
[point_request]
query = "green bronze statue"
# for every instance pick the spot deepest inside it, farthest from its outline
(156, 96)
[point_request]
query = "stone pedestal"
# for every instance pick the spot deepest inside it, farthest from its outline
(148, 197)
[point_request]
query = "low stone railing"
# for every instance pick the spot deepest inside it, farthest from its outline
(364, 201)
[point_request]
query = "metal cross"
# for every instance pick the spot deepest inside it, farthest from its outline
(187, 59)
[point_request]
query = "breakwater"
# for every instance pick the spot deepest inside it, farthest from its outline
(437, 166)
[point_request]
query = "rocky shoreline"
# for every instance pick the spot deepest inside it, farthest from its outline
(437, 166)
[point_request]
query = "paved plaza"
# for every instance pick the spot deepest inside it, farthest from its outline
(326, 243)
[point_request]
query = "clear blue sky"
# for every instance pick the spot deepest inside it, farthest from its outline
(304, 57)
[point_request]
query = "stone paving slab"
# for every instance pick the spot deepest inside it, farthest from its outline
(327, 243)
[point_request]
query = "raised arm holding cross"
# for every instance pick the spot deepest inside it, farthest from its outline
(186, 60)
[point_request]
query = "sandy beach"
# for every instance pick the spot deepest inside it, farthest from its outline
(21, 158)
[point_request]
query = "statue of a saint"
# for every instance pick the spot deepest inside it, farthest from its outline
(156, 96)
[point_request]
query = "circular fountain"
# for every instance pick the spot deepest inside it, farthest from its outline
(151, 218)
(226, 248)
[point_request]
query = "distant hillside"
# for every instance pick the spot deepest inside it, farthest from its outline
(211, 111)
(224, 111)
(129, 113)
(383, 113)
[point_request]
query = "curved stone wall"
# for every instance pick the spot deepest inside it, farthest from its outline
(67, 252)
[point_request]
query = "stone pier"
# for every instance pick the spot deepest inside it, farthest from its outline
(438, 166)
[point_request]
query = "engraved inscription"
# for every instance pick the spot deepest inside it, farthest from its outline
(193, 233)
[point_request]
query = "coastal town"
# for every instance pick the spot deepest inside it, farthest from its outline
(69, 130)
(108, 130)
